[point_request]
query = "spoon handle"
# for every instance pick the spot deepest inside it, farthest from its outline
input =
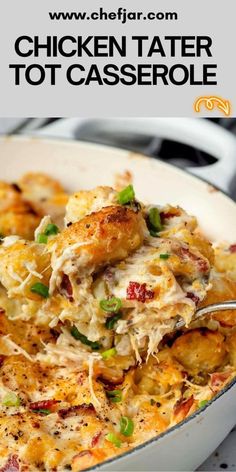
(206, 310)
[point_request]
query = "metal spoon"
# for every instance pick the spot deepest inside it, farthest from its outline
(206, 310)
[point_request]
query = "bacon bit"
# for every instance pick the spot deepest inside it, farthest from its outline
(185, 253)
(96, 438)
(226, 323)
(83, 460)
(110, 385)
(193, 297)
(232, 248)
(218, 379)
(2, 360)
(165, 215)
(12, 464)
(81, 378)
(84, 453)
(54, 333)
(36, 424)
(137, 291)
(66, 288)
(182, 408)
(184, 374)
(77, 409)
(43, 405)
(2, 311)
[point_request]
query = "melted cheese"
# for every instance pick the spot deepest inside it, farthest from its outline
(65, 263)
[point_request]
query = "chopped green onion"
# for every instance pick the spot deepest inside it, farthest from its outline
(154, 234)
(152, 402)
(11, 399)
(83, 339)
(126, 195)
(164, 256)
(126, 426)
(202, 403)
(109, 353)
(1, 237)
(40, 289)
(154, 220)
(51, 229)
(110, 322)
(44, 411)
(42, 238)
(111, 305)
(113, 439)
(114, 395)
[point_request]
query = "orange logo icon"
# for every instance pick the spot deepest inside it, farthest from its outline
(213, 102)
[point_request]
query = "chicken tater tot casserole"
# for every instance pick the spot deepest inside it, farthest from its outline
(91, 287)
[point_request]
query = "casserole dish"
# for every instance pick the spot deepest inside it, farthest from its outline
(84, 166)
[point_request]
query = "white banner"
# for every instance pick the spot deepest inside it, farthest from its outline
(105, 58)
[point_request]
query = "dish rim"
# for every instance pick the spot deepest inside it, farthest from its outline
(129, 153)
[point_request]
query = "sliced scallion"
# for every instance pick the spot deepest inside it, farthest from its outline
(202, 403)
(164, 256)
(51, 229)
(109, 353)
(40, 289)
(42, 238)
(83, 339)
(114, 395)
(154, 234)
(154, 220)
(113, 439)
(110, 305)
(110, 322)
(11, 399)
(43, 411)
(127, 195)
(126, 426)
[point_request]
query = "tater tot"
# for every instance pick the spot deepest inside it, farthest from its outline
(36, 185)
(200, 350)
(22, 265)
(11, 199)
(45, 195)
(22, 224)
(108, 235)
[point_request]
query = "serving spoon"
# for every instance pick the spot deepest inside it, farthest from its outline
(206, 310)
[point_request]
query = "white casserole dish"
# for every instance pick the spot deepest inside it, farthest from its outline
(78, 165)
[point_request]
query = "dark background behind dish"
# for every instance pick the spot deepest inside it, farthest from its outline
(176, 153)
